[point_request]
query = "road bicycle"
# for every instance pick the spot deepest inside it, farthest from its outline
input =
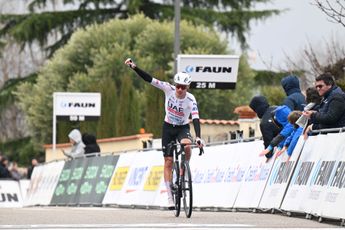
(182, 179)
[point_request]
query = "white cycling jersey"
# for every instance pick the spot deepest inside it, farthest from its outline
(177, 110)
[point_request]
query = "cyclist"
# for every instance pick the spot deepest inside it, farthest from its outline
(179, 105)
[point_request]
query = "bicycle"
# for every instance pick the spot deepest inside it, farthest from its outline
(182, 180)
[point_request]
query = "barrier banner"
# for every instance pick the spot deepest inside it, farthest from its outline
(256, 175)
(35, 180)
(305, 169)
(118, 178)
(141, 184)
(10, 196)
(280, 177)
(69, 182)
(218, 174)
(49, 174)
(95, 181)
(24, 185)
(320, 176)
(334, 198)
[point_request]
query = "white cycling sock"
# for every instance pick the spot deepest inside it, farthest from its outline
(168, 186)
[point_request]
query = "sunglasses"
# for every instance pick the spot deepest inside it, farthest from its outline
(183, 87)
(319, 86)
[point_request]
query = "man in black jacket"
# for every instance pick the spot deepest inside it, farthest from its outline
(267, 127)
(331, 112)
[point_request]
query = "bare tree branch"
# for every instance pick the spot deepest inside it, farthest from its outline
(335, 11)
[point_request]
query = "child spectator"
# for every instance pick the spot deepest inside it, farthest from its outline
(291, 141)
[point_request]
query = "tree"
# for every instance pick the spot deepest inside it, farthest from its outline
(97, 53)
(37, 26)
(335, 11)
(128, 114)
(315, 60)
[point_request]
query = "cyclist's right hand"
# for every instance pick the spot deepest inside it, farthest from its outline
(130, 63)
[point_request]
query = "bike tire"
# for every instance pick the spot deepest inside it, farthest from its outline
(176, 192)
(187, 190)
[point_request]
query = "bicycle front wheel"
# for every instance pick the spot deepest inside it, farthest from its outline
(187, 190)
(176, 189)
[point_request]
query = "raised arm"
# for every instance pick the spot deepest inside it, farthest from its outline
(147, 77)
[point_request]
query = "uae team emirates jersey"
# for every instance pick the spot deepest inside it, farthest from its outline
(177, 110)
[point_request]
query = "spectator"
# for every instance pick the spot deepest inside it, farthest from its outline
(295, 100)
(15, 174)
(91, 146)
(267, 127)
(280, 118)
(312, 96)
(34, 162)
(4, 172)
(331, 113)
(77, 144)
(313, 103)
(291, 141)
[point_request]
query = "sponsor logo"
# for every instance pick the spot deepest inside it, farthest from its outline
(154, 178)
(78, 105)
(8, 197)
(119, 178)
(208, 69)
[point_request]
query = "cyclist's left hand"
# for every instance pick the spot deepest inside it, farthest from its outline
(199, 142)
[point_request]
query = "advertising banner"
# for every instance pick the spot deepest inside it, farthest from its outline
(80, 105)
(334, 197)
(24, 185)
(95, 180)
(305, 169)
(256, 175)
(210, 71)
(143, 178)
(280, 177)
(10, 196)
(49, 174)
(118, 178)
(69, 182)
(35, 181)
(320, 177)
(218, 174)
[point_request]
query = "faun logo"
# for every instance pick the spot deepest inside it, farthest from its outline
(208, 69)
(78, 105)
(8, 197)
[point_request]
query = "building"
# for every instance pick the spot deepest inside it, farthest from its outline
(212, 131)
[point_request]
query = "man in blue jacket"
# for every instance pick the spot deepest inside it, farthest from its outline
(295, 100)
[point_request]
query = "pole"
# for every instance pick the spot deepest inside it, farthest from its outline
(54, 126)
(177, 33)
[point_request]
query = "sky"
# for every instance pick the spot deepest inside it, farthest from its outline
(288, 33)
(272, 40)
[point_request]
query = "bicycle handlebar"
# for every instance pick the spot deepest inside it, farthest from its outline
(201, 149)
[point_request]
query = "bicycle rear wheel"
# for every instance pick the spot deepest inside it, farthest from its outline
(187, 190)
(176, 189)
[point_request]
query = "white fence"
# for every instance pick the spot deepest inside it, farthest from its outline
(226, 176)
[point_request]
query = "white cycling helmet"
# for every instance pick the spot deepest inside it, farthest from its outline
(182, 78)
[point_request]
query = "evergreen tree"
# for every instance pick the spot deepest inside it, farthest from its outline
(128, 114)
(154, 109)
(232, 16)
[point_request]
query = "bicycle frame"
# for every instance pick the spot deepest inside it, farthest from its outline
(182, 180)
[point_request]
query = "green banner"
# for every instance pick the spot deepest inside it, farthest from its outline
(95, 181)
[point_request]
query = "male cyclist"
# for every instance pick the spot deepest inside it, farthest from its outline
(179, 105)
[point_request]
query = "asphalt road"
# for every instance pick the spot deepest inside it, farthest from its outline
(126, 218)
